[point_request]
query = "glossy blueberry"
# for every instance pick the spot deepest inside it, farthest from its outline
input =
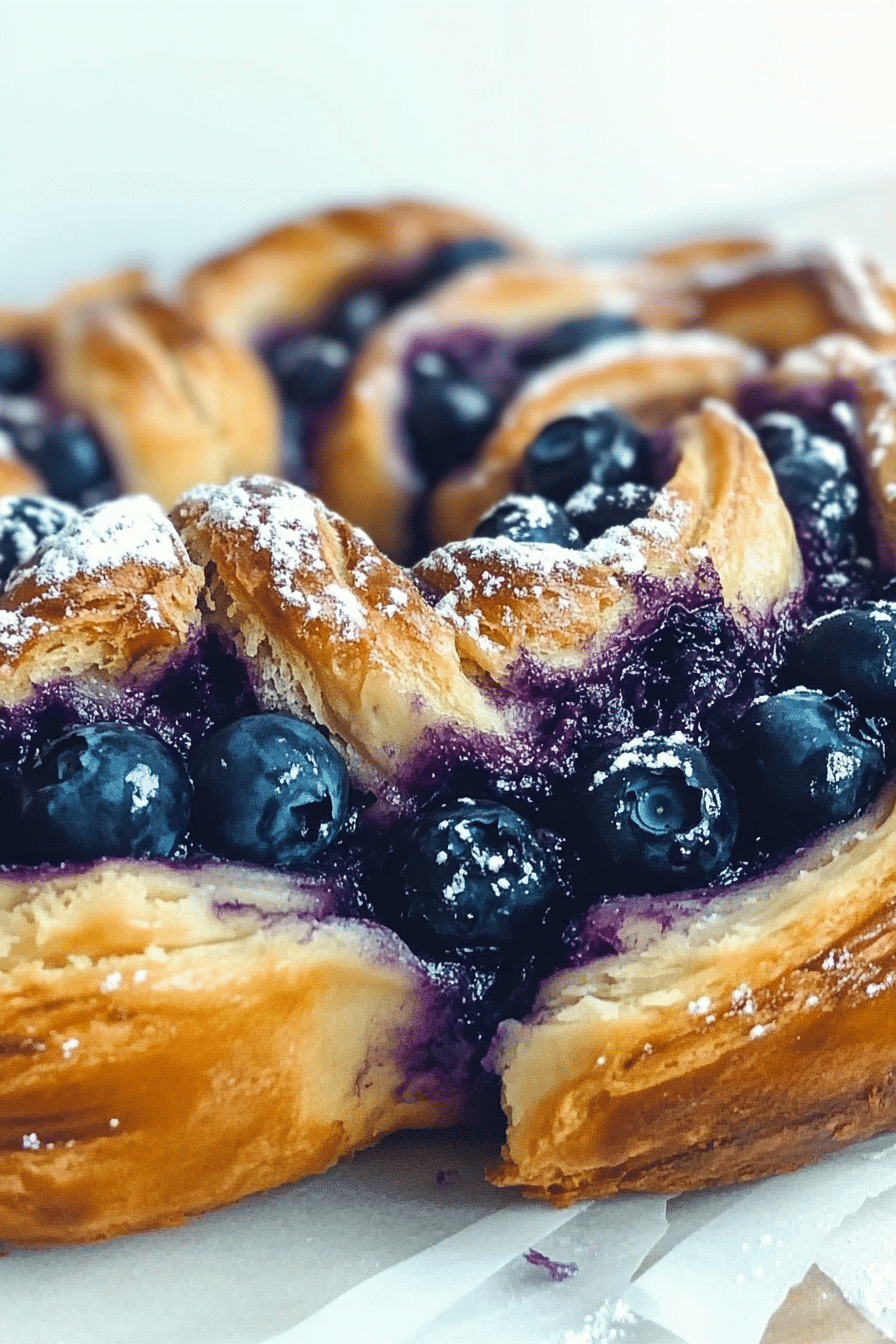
(529, 518)
(24, 522)
(852, 650)
(71, 460)
(453, 257)
(20, 368)
(818, 492)
(448, 414)
(573, 335)
(596, 508)
(268, 789)
(104, 789)
(662, 815)
(475, 874)
(568, 453)
(309, 370)
(356, 315)
(807, 761)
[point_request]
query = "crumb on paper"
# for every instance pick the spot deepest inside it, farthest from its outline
(557, 1270)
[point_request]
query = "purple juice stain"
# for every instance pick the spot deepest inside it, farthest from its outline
(557, 1270)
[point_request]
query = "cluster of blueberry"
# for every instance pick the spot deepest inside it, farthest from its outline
(265, 789)
(310, 368)
(581, 475)
(450, 410)
(63, 449)
(659, 814)
(808, 455)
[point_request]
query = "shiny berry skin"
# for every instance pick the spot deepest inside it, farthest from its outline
(819, 494)
(20, 369)
(851, 650)
(71, 460)
(596, 508)
(568, 453)
(475, 875)
(309, 370)
(25, 520)
(807, 761)
(268, 789)
(448, 414)
(453, 257)
(355, 316)
(104, 790)
(660, 812)
(570, 337)
(529, 519)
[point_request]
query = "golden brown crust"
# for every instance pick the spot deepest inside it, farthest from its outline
(175, 404)
(748, 1039)
(111, 597)
(363, 467)
(778, 298)
(560, 606)
(163, 1051)
(289, 273)
(332, 628)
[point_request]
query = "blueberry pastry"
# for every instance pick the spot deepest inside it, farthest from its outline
(112, 390)
(594, 803)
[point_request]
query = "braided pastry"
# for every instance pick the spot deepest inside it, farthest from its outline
(594, 797)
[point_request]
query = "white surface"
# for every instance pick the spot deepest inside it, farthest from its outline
(162, 129)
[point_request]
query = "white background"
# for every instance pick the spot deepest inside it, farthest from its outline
(158, 129)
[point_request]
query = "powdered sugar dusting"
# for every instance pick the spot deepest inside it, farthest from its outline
(126, 531)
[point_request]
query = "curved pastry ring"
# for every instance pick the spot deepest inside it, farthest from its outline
(111, 975)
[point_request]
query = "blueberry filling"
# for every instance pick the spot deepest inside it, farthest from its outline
(21, 371)
(529, 519)
(62, 448)
(571, 337)
(309, 370)
(604, 447)
(448, 415)
(595, 508)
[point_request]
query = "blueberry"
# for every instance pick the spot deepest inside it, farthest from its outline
(819, 494)
(852, 650)
(104, 789)
(475, 875)
(529, 518)
(453, 257)
(568, 453)
(24, 522)
(448, 415)
(309, 370)
(571, 336)
(20, 368)
(807, 761)
(783, 435)
(71, 460)
(595, 508)
(355, 316)
(269, 789)
(662, 814)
